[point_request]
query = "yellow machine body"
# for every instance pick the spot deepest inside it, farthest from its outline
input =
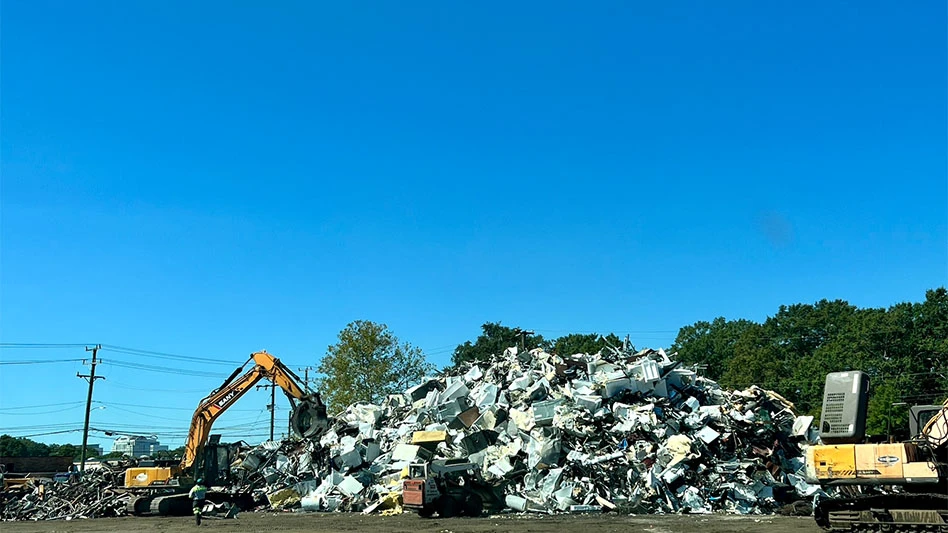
(151, 476)
(893, 464)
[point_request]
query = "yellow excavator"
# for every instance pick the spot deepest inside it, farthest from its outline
(162, 489)
(880, 486)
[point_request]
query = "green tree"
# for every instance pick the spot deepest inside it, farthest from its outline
(170, 454)
(585, 343)
(22, 447)
(367, 364)
(493, 341)
(114, 455)
(755, 361)
(903, 349)
(65, 450)
(710, 344)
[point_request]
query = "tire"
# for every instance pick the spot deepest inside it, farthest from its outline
(426, 511)
(473, 505)
(448, 507)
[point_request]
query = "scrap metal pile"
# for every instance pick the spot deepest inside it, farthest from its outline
(614, 431)
(633, 433)
(94, 496)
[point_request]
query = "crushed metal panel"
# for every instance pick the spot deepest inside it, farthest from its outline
(543, 413)
(426, 437)
(351, 486)
(707, 435)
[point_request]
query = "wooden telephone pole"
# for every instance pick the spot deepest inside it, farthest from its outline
(85, 426)
(272, 405)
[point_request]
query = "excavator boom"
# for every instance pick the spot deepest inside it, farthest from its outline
(307, 420)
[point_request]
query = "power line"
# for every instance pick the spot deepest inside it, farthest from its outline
(144, 389)
(50, 433)
(143, 414)
(39, 406)
(42, 412)
(160, 369)
(171, 356)
(41, 361)
(598, 332)
(43, 345)
(151, 416)
(37, 427)
(162, 407)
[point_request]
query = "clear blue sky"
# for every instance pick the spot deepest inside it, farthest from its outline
(214, 178)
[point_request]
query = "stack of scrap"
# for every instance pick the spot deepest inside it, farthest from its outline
(613, 431)
(92, 496)
(630, 432)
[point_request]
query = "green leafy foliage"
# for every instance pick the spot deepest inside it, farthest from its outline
(66, 450)
(114, 455)
(367, 364)
(22, 447)
(494, 340)
(176, 453)
(585, 343)
(710, 344)
(904, 349)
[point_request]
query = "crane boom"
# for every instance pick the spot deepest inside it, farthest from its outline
(308, 419)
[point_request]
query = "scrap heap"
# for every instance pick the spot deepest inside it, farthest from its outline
(635, 433)
(94, 496)
(614, 431)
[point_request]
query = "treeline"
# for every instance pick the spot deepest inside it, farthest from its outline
(904, 349)
(23, 447)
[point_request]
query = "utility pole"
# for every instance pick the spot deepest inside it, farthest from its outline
(305, 370)
(85, 427)
(523, 335)
(272, 404)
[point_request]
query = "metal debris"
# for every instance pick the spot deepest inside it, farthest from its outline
(583, 433)
(94, 496)
(614, 431)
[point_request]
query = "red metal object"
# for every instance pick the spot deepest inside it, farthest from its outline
(413, 492)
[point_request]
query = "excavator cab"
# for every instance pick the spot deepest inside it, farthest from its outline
(214, 466)
(918, 415)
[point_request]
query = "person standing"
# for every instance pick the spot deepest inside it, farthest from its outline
(197, 494)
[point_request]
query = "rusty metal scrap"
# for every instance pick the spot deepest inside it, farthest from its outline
(95, 495)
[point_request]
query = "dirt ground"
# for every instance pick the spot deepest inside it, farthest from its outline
(409, 523)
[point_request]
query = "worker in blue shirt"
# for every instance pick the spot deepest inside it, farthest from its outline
(197, 494)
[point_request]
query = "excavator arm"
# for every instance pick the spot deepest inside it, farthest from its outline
(308, 418)
(936, 429)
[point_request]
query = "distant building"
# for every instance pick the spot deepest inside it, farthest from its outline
(137, 446)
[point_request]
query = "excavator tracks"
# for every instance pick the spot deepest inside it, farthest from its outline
(160, 504)
(179, 504)
(887, 513)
